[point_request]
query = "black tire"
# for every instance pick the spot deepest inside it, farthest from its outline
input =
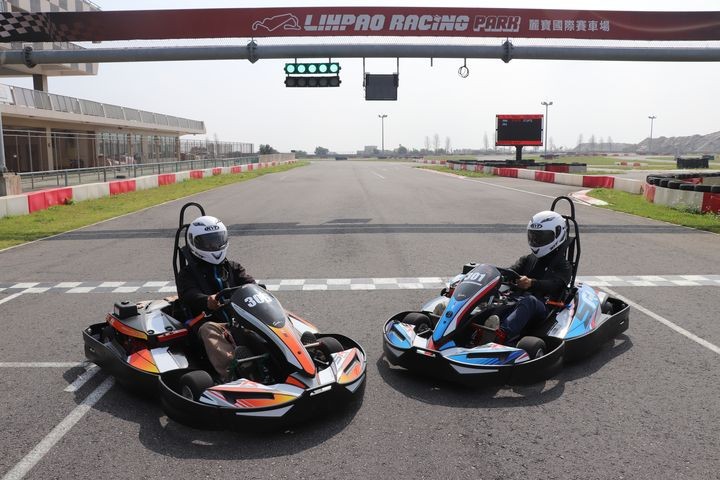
(108, 334)
(535, 347)
(607, 307)
(419, 320)
(308, 337)
(193, 384)
(329, 345)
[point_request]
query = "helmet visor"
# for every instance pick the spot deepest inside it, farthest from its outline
(211, 242)
(540, 238)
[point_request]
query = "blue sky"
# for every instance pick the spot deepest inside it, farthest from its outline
(249, 102)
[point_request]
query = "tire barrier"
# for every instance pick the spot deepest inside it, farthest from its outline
(696, 191)
(27, 203)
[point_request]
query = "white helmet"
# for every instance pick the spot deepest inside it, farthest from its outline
(546, 232)
(207, 238)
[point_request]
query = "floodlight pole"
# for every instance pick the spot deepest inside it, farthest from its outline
(652, 119)
(382, 130)
(547, 104)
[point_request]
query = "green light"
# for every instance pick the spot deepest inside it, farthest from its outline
(334, 67)
(301, 68)
(312, 68)
(289, 68)
(323, 68)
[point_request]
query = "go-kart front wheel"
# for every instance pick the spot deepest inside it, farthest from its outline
(534, 346)
(420, 321)
(193, 384)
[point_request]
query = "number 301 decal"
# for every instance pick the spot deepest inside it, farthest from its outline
(258, 298)
(478, 277)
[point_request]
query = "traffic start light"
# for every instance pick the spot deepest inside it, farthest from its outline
(323, 74)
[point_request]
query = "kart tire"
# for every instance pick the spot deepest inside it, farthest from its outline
(419, 320)
(308, 337)
(607, 307)
(534, 346)
(193, 384)
(108, 333)
(329, 345)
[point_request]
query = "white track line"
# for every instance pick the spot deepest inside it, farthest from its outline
(46, 444)
(700, 341)
(10, 297)
(41, 364)
(90, 371)
(493, 184)
(378, 175)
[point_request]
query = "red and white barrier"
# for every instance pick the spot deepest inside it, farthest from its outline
(27, 203)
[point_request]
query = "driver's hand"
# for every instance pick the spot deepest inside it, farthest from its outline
(524, 282)
(212, 302)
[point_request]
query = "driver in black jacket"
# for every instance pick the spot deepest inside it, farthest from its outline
(544, 275)
(199, 282)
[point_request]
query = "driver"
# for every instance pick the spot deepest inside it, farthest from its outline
(544, 275)
(198, 283)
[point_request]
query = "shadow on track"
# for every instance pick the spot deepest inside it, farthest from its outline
(166, 437)
(444, 393)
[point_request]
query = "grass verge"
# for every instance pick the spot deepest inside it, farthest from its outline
(463, 173)
(59, 219)
(637, 205)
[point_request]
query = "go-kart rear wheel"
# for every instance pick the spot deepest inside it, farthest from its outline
(534, 346)
(193, 384)
(421, 321)
(307, 338)
(328, 346)
(607, 307)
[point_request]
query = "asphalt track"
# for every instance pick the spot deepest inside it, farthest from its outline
(645, 406)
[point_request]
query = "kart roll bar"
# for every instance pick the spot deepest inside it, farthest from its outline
(573, 251)
(178, 256)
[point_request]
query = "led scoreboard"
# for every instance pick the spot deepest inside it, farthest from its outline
(519, 130)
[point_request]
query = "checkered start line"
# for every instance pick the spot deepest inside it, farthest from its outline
(414, 283)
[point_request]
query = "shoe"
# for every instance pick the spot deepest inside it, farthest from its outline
(493, 322)
(500, 336)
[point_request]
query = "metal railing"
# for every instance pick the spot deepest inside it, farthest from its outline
(59, 103)
(78, 176)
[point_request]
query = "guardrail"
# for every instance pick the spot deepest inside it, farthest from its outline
(78, 176)
(59, 103)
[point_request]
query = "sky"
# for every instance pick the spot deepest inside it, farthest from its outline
(240, 101)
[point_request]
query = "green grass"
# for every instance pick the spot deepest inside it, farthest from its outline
(637, 205)
(463, 173)
(59, 219)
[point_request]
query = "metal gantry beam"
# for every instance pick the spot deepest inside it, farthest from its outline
(253, 52)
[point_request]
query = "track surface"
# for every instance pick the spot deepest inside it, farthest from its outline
(645, 406)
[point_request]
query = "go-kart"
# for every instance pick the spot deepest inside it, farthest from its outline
(283, 369)
(449, 339)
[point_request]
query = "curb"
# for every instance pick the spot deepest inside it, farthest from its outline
(27, 203)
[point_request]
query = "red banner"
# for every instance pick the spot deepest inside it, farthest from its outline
(357, 21)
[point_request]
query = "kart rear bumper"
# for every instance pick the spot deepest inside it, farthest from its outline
(580, 347)
(112, 359)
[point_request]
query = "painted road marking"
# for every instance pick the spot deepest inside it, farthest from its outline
(41, 364)
(378, 175)
(56, 434)
(701, 341)
(309, 284)
(90, 370)
(10, 297)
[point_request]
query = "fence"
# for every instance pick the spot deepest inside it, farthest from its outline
(68, 177)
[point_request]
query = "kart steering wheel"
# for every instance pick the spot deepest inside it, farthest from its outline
(509, 276)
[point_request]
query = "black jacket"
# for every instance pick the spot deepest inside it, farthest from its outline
(194, 285)
(551, 273)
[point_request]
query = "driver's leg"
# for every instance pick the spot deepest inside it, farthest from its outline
(527, 308)
(219, 347)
